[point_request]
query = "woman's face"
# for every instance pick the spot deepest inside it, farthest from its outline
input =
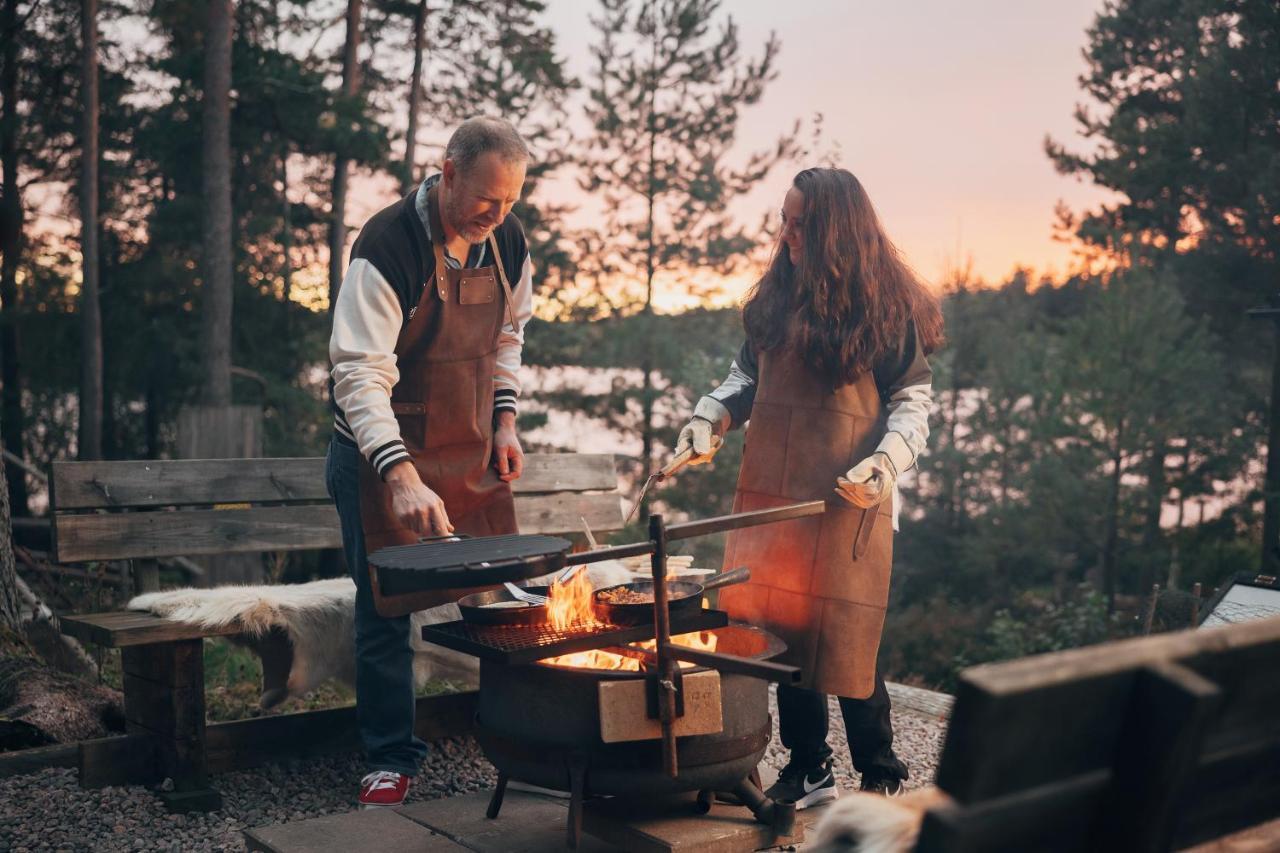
(793, 224)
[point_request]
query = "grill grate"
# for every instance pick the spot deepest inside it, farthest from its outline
(521, 644)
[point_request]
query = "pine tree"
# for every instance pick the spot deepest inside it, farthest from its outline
(664, 102)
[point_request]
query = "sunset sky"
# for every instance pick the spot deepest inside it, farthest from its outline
(941, 109)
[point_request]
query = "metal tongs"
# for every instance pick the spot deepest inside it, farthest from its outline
(679, 461)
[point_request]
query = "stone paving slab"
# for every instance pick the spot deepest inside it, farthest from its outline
(674, 825)
(378, 829)
(527, 823)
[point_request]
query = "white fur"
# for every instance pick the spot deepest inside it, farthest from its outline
(870, 823)
(317, 618)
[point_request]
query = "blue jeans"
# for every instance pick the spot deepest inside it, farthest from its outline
(384, 659)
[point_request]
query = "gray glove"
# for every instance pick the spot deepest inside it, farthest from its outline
(697, 435)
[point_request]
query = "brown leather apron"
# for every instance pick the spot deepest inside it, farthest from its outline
(443, 403)
(806, 586)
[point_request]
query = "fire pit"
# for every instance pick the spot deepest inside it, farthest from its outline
(599, 709)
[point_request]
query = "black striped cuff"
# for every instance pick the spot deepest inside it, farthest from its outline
(504, 399)
(389, 454)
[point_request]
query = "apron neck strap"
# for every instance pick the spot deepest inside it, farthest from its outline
(437, 244)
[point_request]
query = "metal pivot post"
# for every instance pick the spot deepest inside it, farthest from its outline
(662, 642)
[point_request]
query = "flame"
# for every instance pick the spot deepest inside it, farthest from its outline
(569, 607)
(600, 659)
(569, 604)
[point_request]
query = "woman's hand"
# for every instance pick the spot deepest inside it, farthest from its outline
(508, 456)
(868, 483)
(697, 435)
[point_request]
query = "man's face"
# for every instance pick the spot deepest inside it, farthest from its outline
(476, 202)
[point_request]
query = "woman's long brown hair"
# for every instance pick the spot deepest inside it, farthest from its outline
(847, 303)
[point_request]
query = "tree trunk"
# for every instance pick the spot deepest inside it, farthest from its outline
(1271, 489)
(1112, 538)
(1152, 541)
(11, 417)
(216, 343)
(651, 192)
(415, 98)
(90, 435)
(337, 223)
(10, 604)
(1175, 552)
(286, 235)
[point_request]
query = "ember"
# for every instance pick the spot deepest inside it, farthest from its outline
(600, 659)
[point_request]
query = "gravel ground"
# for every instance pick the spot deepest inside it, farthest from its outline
(48, 811)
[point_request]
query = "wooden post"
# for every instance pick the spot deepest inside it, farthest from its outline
(1151, 609)
(164, 700)
(1195, 605)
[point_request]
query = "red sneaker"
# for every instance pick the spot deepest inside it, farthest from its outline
(382, 789)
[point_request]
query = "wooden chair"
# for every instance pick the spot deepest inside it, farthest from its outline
(1149, 744)
(145, 510)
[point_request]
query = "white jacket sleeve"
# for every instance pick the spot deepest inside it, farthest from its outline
(506, 375)
(366, 323)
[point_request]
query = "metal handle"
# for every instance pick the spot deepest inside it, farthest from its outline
(739, 575)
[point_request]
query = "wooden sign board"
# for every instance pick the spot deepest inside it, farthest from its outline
(623, 716)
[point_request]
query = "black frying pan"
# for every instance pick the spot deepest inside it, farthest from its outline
(475, 609)
(682, 597)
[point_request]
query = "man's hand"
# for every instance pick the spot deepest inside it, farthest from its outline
(508, 456)
(868, 483)
(414, 505)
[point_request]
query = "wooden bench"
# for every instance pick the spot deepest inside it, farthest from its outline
(146, 510)
(1149, 744)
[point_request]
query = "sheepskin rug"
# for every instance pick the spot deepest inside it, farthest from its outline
(305, 633)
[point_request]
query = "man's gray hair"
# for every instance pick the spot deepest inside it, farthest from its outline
(482, 135)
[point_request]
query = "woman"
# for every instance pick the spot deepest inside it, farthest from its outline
(834, 379)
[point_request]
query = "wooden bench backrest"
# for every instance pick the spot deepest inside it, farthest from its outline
(168, 508)
(1132, 745)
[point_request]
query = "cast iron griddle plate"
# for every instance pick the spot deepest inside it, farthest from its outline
(452, 564)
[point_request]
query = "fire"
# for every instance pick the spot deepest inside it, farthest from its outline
(569, 604)
(569, 607)
(600, 659)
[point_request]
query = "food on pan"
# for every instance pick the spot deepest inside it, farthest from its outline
(624, 595)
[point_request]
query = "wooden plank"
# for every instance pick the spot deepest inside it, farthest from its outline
(995, 744)
(563, 513)
(261, 740)
(22, 761)
(1231, 791)
(623, 706)
(1053, 818)
(567, 472)
(121, 628)
(1156, 756)
(183, 482)
(195, 482)
(120, 536)
(120, 760)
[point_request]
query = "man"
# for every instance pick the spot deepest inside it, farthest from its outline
(426, 345)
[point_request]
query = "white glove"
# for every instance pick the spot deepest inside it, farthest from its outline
(869, 483)
(697, 434)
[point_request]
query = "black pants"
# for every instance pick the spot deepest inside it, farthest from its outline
(803, 723)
